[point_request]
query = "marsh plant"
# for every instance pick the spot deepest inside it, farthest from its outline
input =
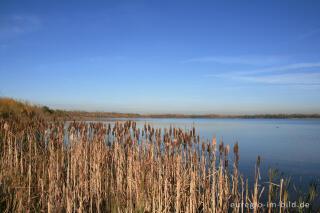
(97, 167)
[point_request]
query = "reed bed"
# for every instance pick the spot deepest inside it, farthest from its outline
(95, 167)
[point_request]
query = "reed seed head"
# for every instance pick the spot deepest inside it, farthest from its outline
(6, 126)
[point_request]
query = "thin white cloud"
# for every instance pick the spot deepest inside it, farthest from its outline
(277, 69)
(304, 78)
(308, 34)
(284, 68)
(294, 78)
(247, 60)
(308, 86)
(104, 58)
(14, 25)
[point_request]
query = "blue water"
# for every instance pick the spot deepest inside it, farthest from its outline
(291, 145)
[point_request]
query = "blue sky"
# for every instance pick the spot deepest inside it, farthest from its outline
(226, 57)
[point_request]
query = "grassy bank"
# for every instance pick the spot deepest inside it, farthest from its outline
(13, 108)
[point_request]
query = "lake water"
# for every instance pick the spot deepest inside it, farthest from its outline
(291, 145)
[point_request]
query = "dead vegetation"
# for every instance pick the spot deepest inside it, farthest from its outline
(95, 167)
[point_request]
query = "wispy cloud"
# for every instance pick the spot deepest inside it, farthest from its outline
(308, 34)
(293, 78)
(105, 58)
(14, 25)
(277, 69)
(289, 67)
(304, 77)
(247, 60)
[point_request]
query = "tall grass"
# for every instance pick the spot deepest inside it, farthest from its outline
(10, 107)
(95, 167)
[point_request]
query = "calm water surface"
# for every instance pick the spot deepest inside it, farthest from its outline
(291, 145)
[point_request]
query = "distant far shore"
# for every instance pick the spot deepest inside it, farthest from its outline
(82, 115)
(10, 107)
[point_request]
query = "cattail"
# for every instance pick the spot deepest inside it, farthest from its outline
(226, 151)
(236, 152)
(221, 147)
(209, 148)
(194, 157)
(258, 161)
(236, 147)
(203, 145)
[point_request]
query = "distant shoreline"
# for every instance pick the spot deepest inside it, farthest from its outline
(9, 107)
(81, 115)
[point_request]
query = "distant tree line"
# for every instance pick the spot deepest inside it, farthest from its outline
(10, 107)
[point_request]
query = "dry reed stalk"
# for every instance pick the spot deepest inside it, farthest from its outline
(220, 178)
(242, 189)
(247, 196)
(178, 187)
(269, 195)
(166, 191)
(129, 181)
(255, 193)
(280, 196)
(192, 203)
(213, 183)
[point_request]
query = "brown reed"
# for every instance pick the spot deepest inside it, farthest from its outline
(96, 167)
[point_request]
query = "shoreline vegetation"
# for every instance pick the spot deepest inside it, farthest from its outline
(50, 165)
(82, 115)
(10, 106)
(95, 167)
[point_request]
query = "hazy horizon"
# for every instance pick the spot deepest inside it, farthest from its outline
(196, 111)
(188, 57)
